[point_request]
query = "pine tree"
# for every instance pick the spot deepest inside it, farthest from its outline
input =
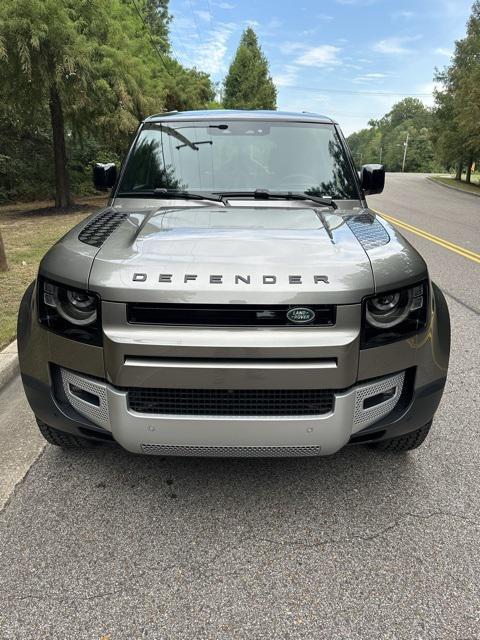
(248, 84)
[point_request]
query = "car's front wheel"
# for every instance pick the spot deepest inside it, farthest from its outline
(62, 439)
(406, 442)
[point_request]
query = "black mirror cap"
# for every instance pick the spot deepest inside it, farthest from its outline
(372, 178)
(104, 175)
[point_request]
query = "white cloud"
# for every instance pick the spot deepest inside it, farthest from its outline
(442, 51)
(367, 78)
(273, 24)
(210, 55)
(291, 47)
(428, 87)
(302, 101)
(287, 77)
(203, 15)
(224, 5)
(326, 55)
(405, 15)
(394, 45)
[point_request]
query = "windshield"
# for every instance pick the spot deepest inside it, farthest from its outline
(216, 156)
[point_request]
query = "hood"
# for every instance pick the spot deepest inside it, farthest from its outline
(233, 254)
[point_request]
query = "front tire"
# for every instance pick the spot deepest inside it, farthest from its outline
(62, 439)
(404, 443)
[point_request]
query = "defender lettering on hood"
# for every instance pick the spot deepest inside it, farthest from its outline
(237, 279)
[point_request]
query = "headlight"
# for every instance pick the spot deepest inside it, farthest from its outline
(71, 312)
(394, 315)
(76, 307)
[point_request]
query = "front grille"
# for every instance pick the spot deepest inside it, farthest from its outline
(226, 314)
(237, 402)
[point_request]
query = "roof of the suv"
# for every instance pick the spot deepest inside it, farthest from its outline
(239, 114)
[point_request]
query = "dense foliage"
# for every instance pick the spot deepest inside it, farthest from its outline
(457, 126)
(384, 140)
(445, 137)
(77, 76)
(248, 84)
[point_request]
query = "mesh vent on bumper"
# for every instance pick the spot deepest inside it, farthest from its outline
(238, 402)
(234, 452)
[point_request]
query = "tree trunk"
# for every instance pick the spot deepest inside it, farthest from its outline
(62, 182)
(469, 171)
(3, 256)
(458, 175)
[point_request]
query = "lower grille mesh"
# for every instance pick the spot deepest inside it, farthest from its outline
(235, 452)
(226, 402)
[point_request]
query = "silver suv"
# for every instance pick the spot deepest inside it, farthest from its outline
(236, 298)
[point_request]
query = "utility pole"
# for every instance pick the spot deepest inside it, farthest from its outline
(381, 150)
(405, 147)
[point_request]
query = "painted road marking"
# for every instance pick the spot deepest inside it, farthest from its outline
(446, 244)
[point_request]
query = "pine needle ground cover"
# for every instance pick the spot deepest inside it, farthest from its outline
(28, 231)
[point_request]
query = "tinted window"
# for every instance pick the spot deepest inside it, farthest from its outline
(240, 156)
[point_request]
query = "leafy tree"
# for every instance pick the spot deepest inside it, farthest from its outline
(157, 17)
(384, 139)
(457, 131)
(47, 58)
(85, 72)
(248, 84)
(366, 144)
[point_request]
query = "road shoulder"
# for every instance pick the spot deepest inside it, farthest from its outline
(8, 363)
(469, 192)
(20, 438)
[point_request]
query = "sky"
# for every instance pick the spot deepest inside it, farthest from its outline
(328, 57)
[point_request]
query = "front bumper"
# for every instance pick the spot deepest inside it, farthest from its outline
(353, 410)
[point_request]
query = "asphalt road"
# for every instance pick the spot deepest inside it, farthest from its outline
(360, 545)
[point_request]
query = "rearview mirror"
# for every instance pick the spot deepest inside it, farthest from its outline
(104, 175)
(372, 178)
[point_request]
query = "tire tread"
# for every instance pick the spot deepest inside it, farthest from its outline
(407, 442)
(62, 439)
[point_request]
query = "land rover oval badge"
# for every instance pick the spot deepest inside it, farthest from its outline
(301, 315)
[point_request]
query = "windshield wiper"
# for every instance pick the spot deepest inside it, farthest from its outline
(187, 195)
(194, 145)
(265, 194)
(172, 194)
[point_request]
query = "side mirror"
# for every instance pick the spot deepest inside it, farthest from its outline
(104, 175)
(372, 178)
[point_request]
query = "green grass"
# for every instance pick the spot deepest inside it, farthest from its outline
(474, 187)
(28, 231)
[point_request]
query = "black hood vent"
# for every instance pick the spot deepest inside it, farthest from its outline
(99, 228)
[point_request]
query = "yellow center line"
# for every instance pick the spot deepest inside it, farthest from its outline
(446, 244)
